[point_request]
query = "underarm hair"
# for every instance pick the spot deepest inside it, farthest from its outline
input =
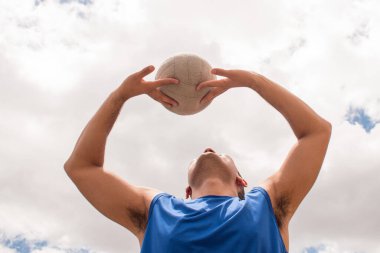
(281, 209)
(139, 219)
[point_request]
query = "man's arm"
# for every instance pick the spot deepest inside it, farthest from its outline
(117, 199)
(290, 184)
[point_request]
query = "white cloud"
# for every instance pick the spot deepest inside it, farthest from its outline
(329, 247)
(3, 249)
(59, 62)
(21, 244)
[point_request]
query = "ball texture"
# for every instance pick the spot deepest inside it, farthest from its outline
(190, 70)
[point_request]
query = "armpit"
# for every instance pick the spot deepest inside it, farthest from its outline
(281, 209)
(139, 219)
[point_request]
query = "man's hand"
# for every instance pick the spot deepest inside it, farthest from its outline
(235, 78)
(135, 85)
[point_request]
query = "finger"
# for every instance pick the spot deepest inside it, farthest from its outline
(164, 81)
(165, 98)
(145, 71)
(220, 72)
(155, 97)
(212, 94)
(213, 83)
(207, 98)
(162, 98)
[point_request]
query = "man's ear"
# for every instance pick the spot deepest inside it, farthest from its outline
(241, 182)
(188, 192)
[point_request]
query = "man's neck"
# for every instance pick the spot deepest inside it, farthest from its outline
(214, 186)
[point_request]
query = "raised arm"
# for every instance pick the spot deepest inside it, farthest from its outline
(288, 186)
(296, 176)
(115, 198)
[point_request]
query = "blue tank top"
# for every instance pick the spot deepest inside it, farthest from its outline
(213, 224)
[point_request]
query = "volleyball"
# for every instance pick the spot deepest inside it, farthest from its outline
(190, 70)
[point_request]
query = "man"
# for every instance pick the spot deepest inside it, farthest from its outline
(220, 217)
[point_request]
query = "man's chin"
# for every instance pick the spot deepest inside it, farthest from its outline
(209, 154)
(207, 159)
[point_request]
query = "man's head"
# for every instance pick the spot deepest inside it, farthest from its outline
(210, 165)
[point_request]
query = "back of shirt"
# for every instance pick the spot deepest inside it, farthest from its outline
(213, 224)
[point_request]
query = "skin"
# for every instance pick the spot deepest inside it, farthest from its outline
(115, 197)
(217, 175)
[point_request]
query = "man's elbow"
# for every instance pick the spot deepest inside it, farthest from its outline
(68, 166)
(324, 127)
(320, 128)
(327, 123)
(325, 131)
(71, 170)
(328, 127)
(73, 166)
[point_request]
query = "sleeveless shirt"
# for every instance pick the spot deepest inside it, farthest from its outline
(213, 224)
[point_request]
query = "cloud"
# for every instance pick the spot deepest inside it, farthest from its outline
(59, 61)
(326, 248)
(84, 2)
(3, 249)
(360, 33)
(314, 249)
(20, 244)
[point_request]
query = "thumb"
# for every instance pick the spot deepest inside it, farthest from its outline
(220, 72)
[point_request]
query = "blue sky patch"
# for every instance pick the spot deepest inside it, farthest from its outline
(18, 243)
(314, 249)
(84, 2)
(21, 245)
(358, 115)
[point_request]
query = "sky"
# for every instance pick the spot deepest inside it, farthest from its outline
(59, 60)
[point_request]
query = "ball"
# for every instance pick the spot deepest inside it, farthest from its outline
(190, 70)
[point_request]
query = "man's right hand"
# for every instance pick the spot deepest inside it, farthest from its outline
(234, 78)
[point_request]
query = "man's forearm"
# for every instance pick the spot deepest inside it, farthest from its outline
(302, 119)
(90, 147)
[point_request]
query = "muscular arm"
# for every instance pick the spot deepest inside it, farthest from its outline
(118, 200)
(289, 185)
(90, 147)
(302, 119)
